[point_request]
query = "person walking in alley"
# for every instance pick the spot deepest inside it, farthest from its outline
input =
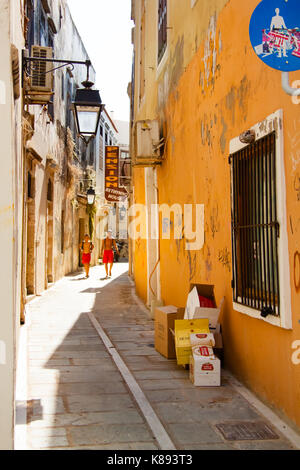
(107, 252)
(86, 247)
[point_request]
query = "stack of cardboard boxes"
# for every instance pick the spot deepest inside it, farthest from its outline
(193, 335)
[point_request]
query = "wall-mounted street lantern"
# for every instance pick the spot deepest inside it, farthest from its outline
(87, 109)
(91, 196)
(87, 106)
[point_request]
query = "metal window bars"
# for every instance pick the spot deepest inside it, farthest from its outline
(255, 229)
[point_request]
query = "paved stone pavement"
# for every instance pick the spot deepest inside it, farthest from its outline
(76, 396)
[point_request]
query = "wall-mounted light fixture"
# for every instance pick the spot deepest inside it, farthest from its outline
(87, 106)
(91, 196)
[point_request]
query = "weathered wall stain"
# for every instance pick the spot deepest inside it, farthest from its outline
(243, 95)
(230, 103)
(206, 130)
(210, 69)
(214, 221)
(223, 138)
(238, 95)
(177, 63)
(192, 264)
(208, 264)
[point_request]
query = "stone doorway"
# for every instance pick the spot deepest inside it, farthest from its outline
(49, 234)
(82, 231)
(30, 224)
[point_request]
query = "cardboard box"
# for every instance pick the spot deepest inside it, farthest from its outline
(218, 347)
(202, 339)
(193, 308)
(183, 330)
(218, 341)
(164, 319)
(205, 368)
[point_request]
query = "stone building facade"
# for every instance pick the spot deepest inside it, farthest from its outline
(46, 171)
(11, 177)
(60, 167)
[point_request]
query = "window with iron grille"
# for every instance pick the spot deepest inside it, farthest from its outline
(162, 28)
(255, 229)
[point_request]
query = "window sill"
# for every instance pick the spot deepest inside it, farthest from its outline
(251, 312)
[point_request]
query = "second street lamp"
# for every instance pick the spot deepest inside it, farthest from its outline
(91, 196)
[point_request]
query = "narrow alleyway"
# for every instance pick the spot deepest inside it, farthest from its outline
(77, 397)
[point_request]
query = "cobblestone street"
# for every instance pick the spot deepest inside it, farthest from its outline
(77, 398)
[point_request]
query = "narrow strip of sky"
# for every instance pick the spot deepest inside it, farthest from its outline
(105, 28)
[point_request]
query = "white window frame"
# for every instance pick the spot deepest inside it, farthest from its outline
(160, 65)
(274, 122)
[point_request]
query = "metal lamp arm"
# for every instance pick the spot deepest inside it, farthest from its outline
(29, 60)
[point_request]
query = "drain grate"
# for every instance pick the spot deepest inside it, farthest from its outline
(247, 430)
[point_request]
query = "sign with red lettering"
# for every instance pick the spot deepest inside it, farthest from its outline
(113, 193)
(111, 167)
(116, 195)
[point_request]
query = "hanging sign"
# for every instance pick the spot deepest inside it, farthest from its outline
(116, 195)
(112, 191)
(111, 167)
(275, 33)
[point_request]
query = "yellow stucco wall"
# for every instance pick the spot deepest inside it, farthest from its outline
(140, 244)
(210, 88)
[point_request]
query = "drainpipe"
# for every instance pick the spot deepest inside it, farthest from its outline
(158, 260)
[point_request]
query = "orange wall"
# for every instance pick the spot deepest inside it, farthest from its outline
(140, 244)
(202, 115)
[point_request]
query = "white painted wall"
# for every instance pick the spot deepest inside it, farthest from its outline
(10, 217)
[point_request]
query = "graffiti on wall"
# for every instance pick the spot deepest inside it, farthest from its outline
(192, 265)
(214, 221)
(294, 225)
(224, 258)
(297, 186)
(297, 271)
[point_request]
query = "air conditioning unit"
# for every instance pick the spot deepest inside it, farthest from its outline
(39, 87)
(148, 144)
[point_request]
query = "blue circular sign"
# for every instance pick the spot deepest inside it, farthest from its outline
(275, 33)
